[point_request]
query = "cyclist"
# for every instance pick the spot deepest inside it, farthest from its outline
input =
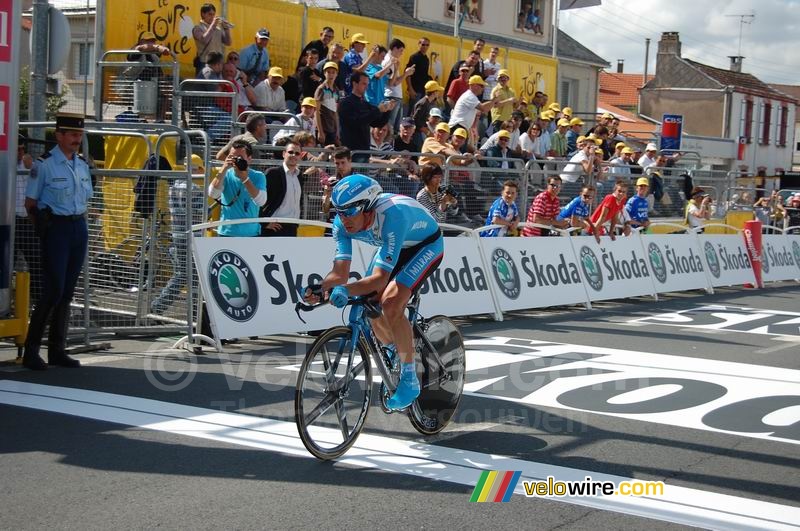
(411, 247)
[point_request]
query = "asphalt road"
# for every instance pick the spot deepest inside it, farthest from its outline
(700, 392)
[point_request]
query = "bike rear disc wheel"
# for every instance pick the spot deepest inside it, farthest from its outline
(331, 404)
(441, 388)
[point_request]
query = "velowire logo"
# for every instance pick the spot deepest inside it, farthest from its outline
(657, 262)
(712, 259)
(233, 286)
(505, 273)
(591, 268)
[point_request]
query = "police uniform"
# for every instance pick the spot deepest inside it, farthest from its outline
(61, 186)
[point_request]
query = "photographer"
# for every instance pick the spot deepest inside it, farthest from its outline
(240, 190)
(698, 210)
(437, 199)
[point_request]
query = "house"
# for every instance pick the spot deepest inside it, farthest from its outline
(728, 104)
(621, 90)
(794, 92)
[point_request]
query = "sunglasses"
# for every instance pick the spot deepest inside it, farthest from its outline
(234, 57)
(293, 153)
(554, 185)
(350, 211)
(588, 196)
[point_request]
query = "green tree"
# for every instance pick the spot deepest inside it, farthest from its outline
(54, 102)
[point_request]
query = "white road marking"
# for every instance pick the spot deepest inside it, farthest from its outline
(678, 504)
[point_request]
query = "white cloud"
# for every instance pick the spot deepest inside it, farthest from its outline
(617, 30)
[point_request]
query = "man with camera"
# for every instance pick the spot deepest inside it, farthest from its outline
(240, 190)
(210, 35)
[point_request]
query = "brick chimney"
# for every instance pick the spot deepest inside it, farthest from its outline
(669, 44)
(620, 65)
(736, 63)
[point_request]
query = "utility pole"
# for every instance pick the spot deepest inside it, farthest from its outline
(742, 22)
(646, 60)
(37, 98)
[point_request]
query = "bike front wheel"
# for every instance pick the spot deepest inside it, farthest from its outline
(331, 402)
(442, 380)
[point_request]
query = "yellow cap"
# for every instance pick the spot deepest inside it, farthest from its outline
(567, 111)
(476, 80)
(503, 134)
(576, 121)
(619, 145)
(627, 151)
(503, 72)
(148, 36)
(358, 37)
(330, 64)
(547, 115)
(461, 132)
(642, 181)
(607, 115)
(598, 151)
(580, 140)
(309, 102)
(276, 71)
(433, 86)
(596, 140)
(197, 161)
(443, 127)
(555, 107)
(563, 122)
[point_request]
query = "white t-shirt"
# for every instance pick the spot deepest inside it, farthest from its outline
(645, 161)
(492, 141)
(528, 145)
(290, 207)
(491, 79)
(574, 169)
(391, 91)
(465, 110)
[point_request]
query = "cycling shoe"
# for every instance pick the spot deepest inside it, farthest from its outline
(407, 391)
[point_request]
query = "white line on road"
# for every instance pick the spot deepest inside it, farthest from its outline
(678, 504)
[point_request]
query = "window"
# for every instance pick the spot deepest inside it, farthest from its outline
(766, 117)
(784, 124)
(81, 60)
(568, 92)
(746, 125)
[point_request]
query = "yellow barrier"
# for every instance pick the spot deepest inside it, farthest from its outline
(17, 327)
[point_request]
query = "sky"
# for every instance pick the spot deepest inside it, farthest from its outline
(617, 30)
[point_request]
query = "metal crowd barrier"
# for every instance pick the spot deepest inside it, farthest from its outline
(203, 106)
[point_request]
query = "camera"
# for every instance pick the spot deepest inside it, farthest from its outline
(449, 190)
(240, 163)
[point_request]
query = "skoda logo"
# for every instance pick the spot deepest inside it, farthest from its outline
(233, 286)
(591, 268)
(712, 259)
(764, 261)
(796, 253)
(505, 273)
(657, 262)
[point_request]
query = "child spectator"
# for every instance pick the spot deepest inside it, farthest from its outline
(609, 209)
(503, 212)
(637, 206)
(576, 212)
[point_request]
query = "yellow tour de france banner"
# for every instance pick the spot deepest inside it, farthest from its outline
(531, 73)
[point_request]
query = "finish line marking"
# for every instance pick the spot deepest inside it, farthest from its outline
(678, 504)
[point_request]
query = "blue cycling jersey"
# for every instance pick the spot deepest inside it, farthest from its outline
(577, 207)
(400, 222)
(637, 208)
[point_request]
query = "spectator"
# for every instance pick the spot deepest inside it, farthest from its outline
(416, 83)
(308, 76)
(269, 94)
(649, 157)
(335, 56)
(150, 53)
(327, 97)
(381, 139)
(576, 212)
(255, 134)
(211, 35)
(180, 200)
(356, 116)
(437, 200)
(233, 57)
(503, 212)
(468, 105)
(56, 199)
(530, 142)
(353, 61)
(792, 218)
(254, 59)
(395, 79)
(608, 211)
(435, 117)
(320, 45)
(213, 69)
(698, 209)
(378, 75)
(505, 100)
(558, 140)
(582, 162)
(512, 126)
(302, 121)
(769, 210)
(544, 209)
(342, 160)
(554, 110)
(544, 138)
(244, 91)
(459, 86)
(473, 61)
(501, 151)
(240, 190)
(26, 242)
(437, 145)
(617, 151)
(424, 105)
(622, 165)
(574, 132)
(406, 140)
(285, 193)
(637, 206)
(491, 68)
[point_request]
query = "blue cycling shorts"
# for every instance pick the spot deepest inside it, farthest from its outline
(416, 263)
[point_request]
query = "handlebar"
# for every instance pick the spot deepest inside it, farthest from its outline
(373, 310)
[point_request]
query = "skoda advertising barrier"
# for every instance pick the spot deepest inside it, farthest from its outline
(251, 285)
(614, 269)
(460, 285)
(780, 257)
(726, 259)
(534, 272)
(675, 262)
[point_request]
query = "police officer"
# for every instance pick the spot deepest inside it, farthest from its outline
(58, 190)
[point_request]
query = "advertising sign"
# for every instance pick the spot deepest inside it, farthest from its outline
(675, 262)
(614, 269)
(534, 272)
(671, 131)
(780, 257)
(726, 259)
